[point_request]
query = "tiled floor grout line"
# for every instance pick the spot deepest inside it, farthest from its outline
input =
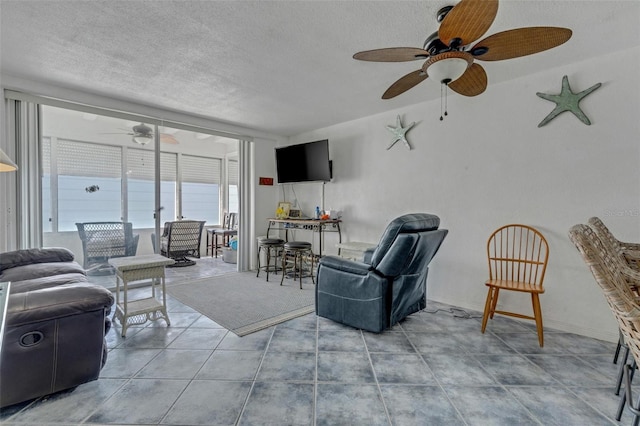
(194, 376)
(375, 378)
(446, 395)
(559, 383)
(255, 377)
(506, 388)
(127, 381)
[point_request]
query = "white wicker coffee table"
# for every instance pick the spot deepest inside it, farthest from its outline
(138, 311)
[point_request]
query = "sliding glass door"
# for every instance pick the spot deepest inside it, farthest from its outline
(98, 184)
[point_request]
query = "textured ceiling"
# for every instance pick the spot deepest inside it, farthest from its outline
(281, 67)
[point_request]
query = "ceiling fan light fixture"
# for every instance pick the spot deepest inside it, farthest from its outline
(142, 139)
(448, 66)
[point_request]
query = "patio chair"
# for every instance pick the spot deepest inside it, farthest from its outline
(180, 239)
(104, 240)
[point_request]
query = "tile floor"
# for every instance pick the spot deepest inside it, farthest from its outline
(435, 368)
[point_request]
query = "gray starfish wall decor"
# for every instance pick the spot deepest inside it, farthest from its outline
(399, 133)
(566, 100)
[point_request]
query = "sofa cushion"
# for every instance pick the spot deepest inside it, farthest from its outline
(37, 270)
(34, 255)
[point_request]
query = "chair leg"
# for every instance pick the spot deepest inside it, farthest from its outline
(628, 369)
(625, 356)
(628, 378)
(537, 313)
(301, 266)
(487, 308)
(258, 274)
(618, 346)
(494, 303)
(284, 266)
(268, 262)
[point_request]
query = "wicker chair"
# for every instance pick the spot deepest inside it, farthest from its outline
(629, 251)
(179, 240)
(104, 240)
(614, 278)
(518, 256)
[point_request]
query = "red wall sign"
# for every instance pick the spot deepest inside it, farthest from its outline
(266, 181)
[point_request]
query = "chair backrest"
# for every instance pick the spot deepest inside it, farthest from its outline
(602, 261)
(233, 221)
(107, 239)
(616, 287)
(230, 221)
(408, 244)
(183, 234)
(517, 253)
(605, 235)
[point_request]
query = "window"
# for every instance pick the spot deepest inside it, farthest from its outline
(141, 189)
(93, 171)
(201, 188)
(89, 183)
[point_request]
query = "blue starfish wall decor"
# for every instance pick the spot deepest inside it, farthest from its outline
(399, 133)
(567, 101)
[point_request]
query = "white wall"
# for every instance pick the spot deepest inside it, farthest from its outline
(265, 195)
(488, 164)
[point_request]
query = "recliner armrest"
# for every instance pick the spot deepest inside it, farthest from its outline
(346, 265)
(13, 259)
(55, 302)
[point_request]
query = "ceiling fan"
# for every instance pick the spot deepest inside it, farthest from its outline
(449, 56)
(143, 134)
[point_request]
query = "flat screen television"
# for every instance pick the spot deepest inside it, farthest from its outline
(306, 162)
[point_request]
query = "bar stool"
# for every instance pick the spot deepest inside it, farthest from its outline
(272, 247)
(298, 250)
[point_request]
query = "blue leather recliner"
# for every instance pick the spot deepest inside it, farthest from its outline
(391, 282)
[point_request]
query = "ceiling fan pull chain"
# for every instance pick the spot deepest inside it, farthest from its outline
(443, 88)
(446, 91)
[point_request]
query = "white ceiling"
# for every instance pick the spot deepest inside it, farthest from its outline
(281, 67)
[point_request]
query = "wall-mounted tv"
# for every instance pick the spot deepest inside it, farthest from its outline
(306, 162)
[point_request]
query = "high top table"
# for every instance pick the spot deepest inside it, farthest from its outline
(136, 268)
(314, 225)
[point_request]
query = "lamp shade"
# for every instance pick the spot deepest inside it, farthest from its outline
(6, 165)
(143, 139)
(447, 67)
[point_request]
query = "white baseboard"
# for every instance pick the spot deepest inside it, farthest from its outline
(556, 325)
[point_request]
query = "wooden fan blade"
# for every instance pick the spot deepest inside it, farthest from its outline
(392, 54)
(472, 83)
(167, 138)
(468, 21)
(521, 42)
(405, 83)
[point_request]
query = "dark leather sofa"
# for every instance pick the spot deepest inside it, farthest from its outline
(55, 325)
(389, 284)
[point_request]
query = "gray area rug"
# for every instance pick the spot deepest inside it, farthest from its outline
(244, 304)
